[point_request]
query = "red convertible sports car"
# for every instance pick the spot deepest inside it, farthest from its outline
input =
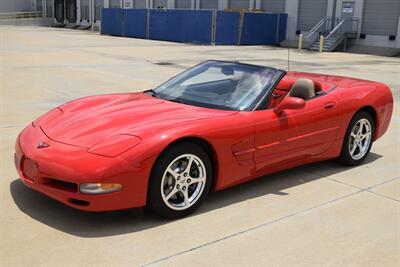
(213, 126)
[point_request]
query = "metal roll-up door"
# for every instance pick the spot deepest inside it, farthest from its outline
(85, 10)
(70, 10)
(209, 4)
(310, 13)
(39, 6)
(115, 3)
(274, 6)
(59, 10)
(160, 4)
(139, 4)
(49, 8)
(98, 5)
(380, 17)
(186, 4)
(239, 4)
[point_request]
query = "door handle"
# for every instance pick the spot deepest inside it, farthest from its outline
(329, 105)
(275, 95)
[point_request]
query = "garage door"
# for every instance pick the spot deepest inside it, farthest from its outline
(85, 10)
(139, 4)
(274, 6)
(115, 3)
(49, 8)
(310, 12)
(98, 5)
(187, 4)
(239, 4)
(381, 17)
(209, 4)
(59, 10)
(160, 4)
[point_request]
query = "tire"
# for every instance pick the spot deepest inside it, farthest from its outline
(353, 153)
(174, 189)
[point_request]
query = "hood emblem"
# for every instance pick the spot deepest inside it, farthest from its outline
(42, 145)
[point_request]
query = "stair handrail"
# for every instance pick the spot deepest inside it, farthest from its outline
(315, 28)
(336, 29)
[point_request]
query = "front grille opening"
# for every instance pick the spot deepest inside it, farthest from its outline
(28, 168)
(79, 202)
(61, 185)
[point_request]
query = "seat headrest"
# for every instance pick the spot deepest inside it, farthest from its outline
(303, 88)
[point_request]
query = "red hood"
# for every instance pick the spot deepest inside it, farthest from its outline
(87, 121)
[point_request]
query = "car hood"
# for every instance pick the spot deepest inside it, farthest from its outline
(85, 122)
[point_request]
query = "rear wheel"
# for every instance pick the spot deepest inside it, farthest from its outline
(358, 139)
(180, 180)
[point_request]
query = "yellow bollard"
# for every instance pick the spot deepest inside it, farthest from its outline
(300, 41)
(321, 43)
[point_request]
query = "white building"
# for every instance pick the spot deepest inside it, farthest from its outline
(377, 22)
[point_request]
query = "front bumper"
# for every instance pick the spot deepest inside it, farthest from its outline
(59, 169)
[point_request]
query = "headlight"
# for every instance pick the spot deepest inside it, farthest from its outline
(99, 188)
(115, 145)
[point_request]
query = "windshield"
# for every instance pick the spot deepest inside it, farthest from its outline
(221, 85)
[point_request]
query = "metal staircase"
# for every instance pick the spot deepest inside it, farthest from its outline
(335, 31)
(328, 45)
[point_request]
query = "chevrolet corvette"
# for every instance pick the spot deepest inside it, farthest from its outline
(211, 127)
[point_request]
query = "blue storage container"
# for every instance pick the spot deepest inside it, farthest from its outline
(135, 23)
(195, 26)
(259, 29)
(227, 28)
(111, 22)
(186, 26)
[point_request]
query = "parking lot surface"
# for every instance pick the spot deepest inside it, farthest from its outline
(319, 214)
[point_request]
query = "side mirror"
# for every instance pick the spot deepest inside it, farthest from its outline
(290, 103)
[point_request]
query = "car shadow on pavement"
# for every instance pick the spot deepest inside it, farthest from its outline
(87, 224)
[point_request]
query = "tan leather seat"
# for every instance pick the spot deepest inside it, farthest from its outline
(303, 88)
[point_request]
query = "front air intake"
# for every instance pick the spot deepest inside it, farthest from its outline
(60, 185)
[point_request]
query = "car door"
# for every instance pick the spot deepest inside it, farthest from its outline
(271, 133)
(295, 134)
(317, 126)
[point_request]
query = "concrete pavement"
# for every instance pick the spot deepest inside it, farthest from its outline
(319, 214)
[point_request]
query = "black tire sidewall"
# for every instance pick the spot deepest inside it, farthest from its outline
(345, 156)
(154, 199)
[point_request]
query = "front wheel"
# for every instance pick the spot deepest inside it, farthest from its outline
(358, 139)
(180, 180)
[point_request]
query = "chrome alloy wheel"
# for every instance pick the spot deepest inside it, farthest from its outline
(360, 139)
(183, 182)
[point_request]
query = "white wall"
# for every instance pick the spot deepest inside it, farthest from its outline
(358, 10)
(222, 4)
(329, 9)
(370, 40)
(15, 5)
(292, 9)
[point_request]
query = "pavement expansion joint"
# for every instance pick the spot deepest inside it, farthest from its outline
(254, 228)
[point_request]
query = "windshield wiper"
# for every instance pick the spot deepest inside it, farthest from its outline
(176, 100)
(155, 94)
(151, 92)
